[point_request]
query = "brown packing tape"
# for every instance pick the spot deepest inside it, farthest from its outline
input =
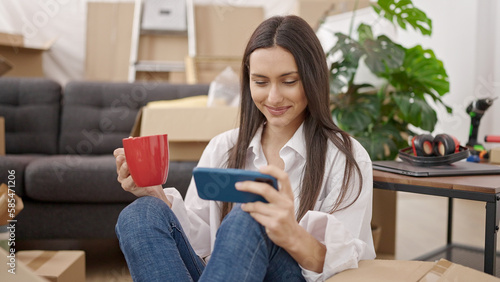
(441, 266)
(437, 271)
(45, 256)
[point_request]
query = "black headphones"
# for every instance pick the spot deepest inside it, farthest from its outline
(426, 145)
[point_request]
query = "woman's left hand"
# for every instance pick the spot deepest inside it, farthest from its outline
(278, 215)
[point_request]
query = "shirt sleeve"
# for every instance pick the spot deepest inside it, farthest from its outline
(346, 233)
(194, 213)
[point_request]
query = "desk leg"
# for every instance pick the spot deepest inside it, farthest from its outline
(449, 232)
(490, 242)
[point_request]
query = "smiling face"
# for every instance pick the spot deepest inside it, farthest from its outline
(277, 89)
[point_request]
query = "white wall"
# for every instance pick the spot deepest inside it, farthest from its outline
(466, 37)
(487, 75)
(454, 42)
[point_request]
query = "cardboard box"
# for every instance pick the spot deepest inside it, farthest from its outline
(313, 10)
(5, 66)
(495, 155)
(225, 30)
(2, 136)
(222, 32)
(153, 47)
(109, 33)
(56, 266)
(15, 270)
(11, 39)
(24, 56)
(6, 213)
(417, 271)
(189, 129)
(384, 216)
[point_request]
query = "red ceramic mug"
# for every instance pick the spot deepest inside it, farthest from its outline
(147, 159)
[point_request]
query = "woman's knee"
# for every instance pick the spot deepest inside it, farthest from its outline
(143, 212)
(239, 219)
(238, 214)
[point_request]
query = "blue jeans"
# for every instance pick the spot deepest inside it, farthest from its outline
(156, 248)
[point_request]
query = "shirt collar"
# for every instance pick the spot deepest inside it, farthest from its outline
(296, 143)
(255, 147)
(255, 143)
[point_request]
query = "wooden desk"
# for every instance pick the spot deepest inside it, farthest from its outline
(485, 188)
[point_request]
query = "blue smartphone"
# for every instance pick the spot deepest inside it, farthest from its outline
(217, 184)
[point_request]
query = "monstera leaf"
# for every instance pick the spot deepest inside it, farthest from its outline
(422, 73)
(357, 119)
(342, 72)
(403, 12)
(381, 54)
(382, 141)
(415, 110)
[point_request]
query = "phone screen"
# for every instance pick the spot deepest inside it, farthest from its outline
(218, 184)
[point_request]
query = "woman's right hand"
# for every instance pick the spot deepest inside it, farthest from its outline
(128, 183)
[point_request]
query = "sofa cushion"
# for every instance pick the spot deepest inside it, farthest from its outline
(31, 109)
(41, 221)
(16, 163)
(76, 179)
(88, 179)
(96, 116)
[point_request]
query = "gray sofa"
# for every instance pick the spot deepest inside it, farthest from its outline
(60, 141)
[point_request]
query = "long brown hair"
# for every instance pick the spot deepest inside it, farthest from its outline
(295, 35)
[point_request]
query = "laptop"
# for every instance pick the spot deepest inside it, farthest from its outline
(454, 169)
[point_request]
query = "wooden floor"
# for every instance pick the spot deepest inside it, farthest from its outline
(421, 227)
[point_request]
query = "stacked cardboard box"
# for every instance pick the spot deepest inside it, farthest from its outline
(220, 31)
(24, 57)
(187, 139)
(313, 10)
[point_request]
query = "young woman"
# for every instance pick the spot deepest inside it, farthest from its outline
(315, 225)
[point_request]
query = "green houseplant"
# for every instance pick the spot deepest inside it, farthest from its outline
(379, 117)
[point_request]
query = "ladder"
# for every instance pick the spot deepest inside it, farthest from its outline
(158, 66)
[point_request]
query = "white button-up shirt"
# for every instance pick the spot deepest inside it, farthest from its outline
(346, 233)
